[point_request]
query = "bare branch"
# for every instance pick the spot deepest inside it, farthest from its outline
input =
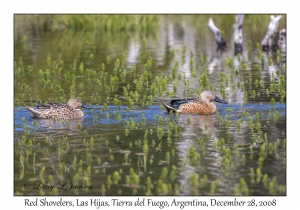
(272, 28)
(282, 40)
(237, 29)
(218, 36)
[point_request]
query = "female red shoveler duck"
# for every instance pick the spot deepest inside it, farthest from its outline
(201, 105)
(59, 111)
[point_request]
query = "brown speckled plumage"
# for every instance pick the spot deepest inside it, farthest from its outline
(201, 106)
(60, 111)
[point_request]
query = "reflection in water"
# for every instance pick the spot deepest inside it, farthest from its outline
(237, 94)
(133, 52)
(205, 123)
(215, 59)
(192, 131)
(58, 124)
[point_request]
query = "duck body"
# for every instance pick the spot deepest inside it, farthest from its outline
(202, 105)
(68, 111)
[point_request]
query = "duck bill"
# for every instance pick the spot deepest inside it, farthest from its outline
(86, 107)
(217, 99)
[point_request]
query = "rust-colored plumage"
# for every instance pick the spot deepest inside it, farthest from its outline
(202, 105)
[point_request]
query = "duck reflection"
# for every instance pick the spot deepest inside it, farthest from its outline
(205, 123)
(63, 125)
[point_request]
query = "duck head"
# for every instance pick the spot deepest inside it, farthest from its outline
(209, 96)
(76, 103)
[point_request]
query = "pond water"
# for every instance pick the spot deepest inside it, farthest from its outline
(127, 144)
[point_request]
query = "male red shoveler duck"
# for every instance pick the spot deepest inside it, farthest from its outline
(202, 105)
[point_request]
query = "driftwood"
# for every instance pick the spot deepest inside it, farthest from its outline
(237, 33)
(272, 28)
(273, 39)
(280, 41)
(218, 36)
(237, 36)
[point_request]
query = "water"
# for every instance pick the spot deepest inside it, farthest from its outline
(212, 150)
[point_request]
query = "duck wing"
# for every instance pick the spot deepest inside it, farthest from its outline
(48, 105)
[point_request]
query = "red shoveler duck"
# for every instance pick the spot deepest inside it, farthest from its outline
(202, 105)
(59, 111)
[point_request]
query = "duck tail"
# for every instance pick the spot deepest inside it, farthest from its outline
(34, 112)
(168, 107)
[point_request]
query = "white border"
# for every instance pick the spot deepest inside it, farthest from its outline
(8, 8)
